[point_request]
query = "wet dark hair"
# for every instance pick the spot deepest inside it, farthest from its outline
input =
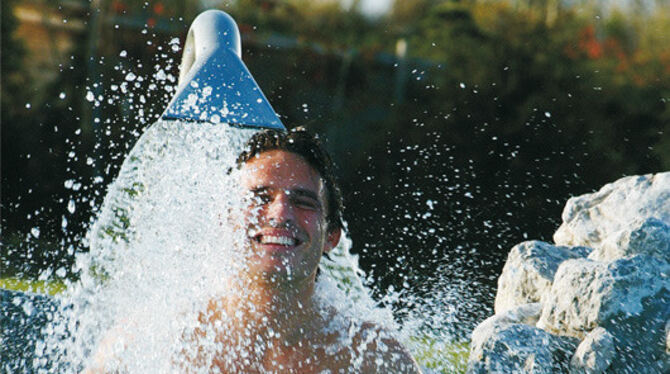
(299, 141)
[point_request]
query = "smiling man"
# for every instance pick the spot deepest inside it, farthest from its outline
(270, 320)
(288, 224)
(274, 323)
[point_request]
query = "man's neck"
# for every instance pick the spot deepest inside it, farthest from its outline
(272, 307)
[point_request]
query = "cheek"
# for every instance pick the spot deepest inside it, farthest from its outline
(252, 216)
(313, 221)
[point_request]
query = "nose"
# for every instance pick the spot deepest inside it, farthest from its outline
(280, 209)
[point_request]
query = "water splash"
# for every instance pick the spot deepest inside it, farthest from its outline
(161, 249)
(158, 245)
(162, 240)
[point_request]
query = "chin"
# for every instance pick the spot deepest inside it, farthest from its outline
(285, 274)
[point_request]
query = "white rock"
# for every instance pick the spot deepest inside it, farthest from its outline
(595, 353)
(527, 314)
(650, 237)
(629, 297)
(529, 272)
(617, 299)
(590, 218)
(514, 348)
(507, 342)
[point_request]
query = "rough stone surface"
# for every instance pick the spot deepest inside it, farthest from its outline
(22, 316)
(615, 299)
(507, 342)
(527, 314)
(514, 348)
(629, 297)
(529, 272)
(590, 218)
(650, 237)
(595, 353)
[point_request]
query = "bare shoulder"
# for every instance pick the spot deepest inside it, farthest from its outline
(380, 352)
(105, 358)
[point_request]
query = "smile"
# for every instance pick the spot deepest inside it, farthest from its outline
(276, 237)
(281, 240)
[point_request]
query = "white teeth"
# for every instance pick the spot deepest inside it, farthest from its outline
(282, 240)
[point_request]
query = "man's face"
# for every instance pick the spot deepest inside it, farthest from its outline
(286, 217)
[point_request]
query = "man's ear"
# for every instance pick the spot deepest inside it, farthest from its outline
(332, 239)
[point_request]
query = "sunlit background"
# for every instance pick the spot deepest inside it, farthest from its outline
(459, 128)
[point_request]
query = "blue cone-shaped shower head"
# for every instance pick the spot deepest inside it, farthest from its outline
(214, 84)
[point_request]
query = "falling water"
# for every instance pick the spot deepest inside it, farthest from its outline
(164, 239)
(162, 244)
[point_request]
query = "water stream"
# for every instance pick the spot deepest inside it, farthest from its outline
(165, 237)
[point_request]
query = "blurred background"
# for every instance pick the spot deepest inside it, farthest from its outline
(459, 128)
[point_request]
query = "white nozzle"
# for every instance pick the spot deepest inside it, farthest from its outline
(211, 30)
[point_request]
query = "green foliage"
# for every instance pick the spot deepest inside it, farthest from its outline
(439, 355)
(51, 287)
(12, 53)
(324, 22)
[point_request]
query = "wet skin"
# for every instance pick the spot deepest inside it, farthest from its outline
(270, 321)
(286, 218)
(287, 234)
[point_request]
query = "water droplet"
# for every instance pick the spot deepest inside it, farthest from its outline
(130, 77)
(35, 231)
(462, 85)
(28, 308)
(61, 272)
(160, 75)
(123, 53)
(61, 95)
(89, 96)
(28, 105)
(547, 114)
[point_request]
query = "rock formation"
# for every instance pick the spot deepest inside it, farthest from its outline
(595, 301)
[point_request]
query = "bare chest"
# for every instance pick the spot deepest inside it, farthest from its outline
(273, 356)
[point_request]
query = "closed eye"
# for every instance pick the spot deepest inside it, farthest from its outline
(263, 199)
(259, 198)
(306, 203)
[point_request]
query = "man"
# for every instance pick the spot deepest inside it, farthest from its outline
(271, 320)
